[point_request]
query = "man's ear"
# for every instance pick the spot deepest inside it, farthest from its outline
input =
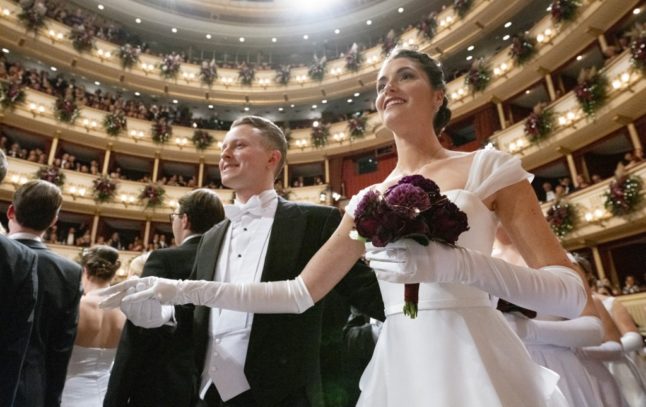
(53, 221)
(274, 158)
(11, 212)
(185, 222)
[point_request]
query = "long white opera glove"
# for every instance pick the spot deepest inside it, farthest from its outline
(571, 333)
(552, 290)
(607, 351)
(632, 341)
(276, 297)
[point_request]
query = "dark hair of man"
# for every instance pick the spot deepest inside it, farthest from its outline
(3, 165)
(101, 262)
(36, 204)
(203, 209)
(436, 78)
(274, 136)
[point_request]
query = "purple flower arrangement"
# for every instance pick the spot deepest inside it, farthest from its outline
(246, 74)
(353, 58)
(564, 10)
(11, 93)
(152, 196)
(638, 47)
(462, 7)
(129, 55)
(283, 74)
(591, 91)
(202, 139)
(115, 123)
(561, 217)
(208, 72)
(389, 42)
(623, 195)
(51, 174)
(82, 38)
(161, 131)
(523, 48)
(320, 134)
(539, 124)
(170, 65)
(104, 189)
(316, 71)
(478, 76)
(66, 110)
(33, 14)
(428, 26)
(357, 126)
(413, 208)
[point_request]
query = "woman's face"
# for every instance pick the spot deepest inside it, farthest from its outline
(405, 94)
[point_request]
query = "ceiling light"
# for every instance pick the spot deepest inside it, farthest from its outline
(306, 36)
(174, 30)
(400, 10)
(505, 38)
(97, 83)
(357, 94)
(280, 109)
(579, 57)
(175, 101)
(314, 106)
(138, 20)
(100, 7)
(637, 11)
(241, 39)
(549, 8)
(292, 105)
(274, 39)
(471, 47)
(368, 22)
(469, 58)
(337, 31)
(208, 36)
(5, 50)
(349, 100)
(137, 94)
(53, 68)
(210, 106)
(527, 92)
(508, 24)
(324, 101)
(246, 108)
(315, 123)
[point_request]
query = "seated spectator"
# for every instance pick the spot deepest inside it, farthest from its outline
(636, 158)
(549, 191)
(630, 286)
(581, 182)
(71, 237)
(566, 183)
(596, 178)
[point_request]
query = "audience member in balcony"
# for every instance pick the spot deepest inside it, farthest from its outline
(566, 183)
(34, 209)
(596, 178)
(137, 245)
(559, 192)
(85, 239)
(548, 188)
(51, 235)
(630, 285)
(162, 241)
(636, 158)
(98, 335)
(581, 182)
(115, 241)
(318, 180)
(70, 239)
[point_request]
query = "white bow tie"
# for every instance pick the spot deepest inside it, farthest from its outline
(253, 207)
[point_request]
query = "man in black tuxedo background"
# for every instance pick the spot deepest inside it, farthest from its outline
(155, 367)
(34, 209)
(18, 293)
(268, 360)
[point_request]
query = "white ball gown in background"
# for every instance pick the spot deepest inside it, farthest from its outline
(459, 351)
(88, 374)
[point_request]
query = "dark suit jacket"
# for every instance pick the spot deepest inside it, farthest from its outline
(283, 353)
(18, 292)
(52, 338)
(154, 367)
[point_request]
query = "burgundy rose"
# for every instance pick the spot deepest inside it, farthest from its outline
(408, 200)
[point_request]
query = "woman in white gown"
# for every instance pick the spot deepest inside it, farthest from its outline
(459, 351)
(98, 333)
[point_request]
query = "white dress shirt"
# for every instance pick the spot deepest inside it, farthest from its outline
(241, 260)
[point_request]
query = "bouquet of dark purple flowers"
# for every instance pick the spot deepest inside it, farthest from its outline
(316, 71)
(564, 10)
(161, 131)
(51, 174)
(353, 59)
(561, 217)
(623, 194)
(82, 38)
(539, 124)
(33, 14)
(170, 65)
(478, 76)
(152, 195)
(202, 139)
(357, 126)
(208, 72)
(115, 123)
(320, 134)
(129, 55)
(104, 189)
(462, 7)
(591, 91)
(415, 209)
(283, 74)
(523, 47)
(246, 74)
(11, 93)
(66, 110)
(638, 46)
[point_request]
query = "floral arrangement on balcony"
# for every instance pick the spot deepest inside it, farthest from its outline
(478, 76)
(170, 65)
(428, 26)
(82, 39)
(591, 92)
(389, 42)
(562, 218)
(202, 139)
(624, 193)
(353, 58)
(152, 196)
(320, 134)
(357, 126)
(564, 10)
(208, 72)
(523, 48)
(66, 109)
(104, 189)
(246, 74)
(114, 123)
(51, 174)
(283, 74)
(539, 124)
(462, 7)
(11, 93)
(33, 14)
(638, 47)
(129, 55)
(161, 131)
(316, 71)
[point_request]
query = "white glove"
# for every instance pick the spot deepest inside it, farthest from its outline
(632, 341)
(551, 290)
(571, 333)
(276, 297)
(607, 351)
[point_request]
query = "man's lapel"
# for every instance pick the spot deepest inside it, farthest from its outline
(210, 251)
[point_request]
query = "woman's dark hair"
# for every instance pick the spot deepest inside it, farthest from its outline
(435, 76)
(101, 262)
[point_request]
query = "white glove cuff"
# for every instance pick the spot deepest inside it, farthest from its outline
(632, 341)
